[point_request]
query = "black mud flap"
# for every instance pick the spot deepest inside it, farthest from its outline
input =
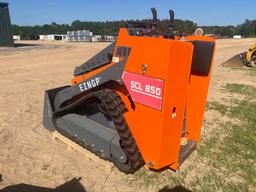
(186, 150)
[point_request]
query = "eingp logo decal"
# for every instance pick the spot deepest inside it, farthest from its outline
(144, 90)
(89, 84)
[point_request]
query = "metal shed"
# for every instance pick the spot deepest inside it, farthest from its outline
(6, 39)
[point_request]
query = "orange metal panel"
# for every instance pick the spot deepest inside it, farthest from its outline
(158, 134)
(197, 95)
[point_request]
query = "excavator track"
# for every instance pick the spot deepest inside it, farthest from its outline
(114, 108)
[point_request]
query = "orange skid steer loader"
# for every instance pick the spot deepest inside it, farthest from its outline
(135, 101)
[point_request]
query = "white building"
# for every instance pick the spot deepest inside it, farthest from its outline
(53, 37)
(96, 38)
(16, 37)
(79, 36)
(237, 37)
(108, 38)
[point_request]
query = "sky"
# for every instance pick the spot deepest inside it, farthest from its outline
(203, 12)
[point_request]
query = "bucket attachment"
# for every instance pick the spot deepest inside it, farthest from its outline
(97, 124)
(102, 140)
(235, 61)
(91, 135)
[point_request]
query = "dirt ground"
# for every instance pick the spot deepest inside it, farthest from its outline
(28, 153)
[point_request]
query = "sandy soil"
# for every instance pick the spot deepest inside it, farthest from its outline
(28, 152)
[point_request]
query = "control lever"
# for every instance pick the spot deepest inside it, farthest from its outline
(171, 24)
(154, 13)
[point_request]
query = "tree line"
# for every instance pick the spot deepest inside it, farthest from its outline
(248, 28)
(97, 27)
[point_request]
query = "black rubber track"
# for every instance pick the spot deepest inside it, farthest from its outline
(115, 109)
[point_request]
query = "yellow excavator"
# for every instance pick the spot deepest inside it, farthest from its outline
(247, 59)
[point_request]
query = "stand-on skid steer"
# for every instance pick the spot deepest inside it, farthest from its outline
(136, 100)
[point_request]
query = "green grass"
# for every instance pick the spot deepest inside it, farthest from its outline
(248, 70)
(213, 105)
(226, 160)
(245, 90)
